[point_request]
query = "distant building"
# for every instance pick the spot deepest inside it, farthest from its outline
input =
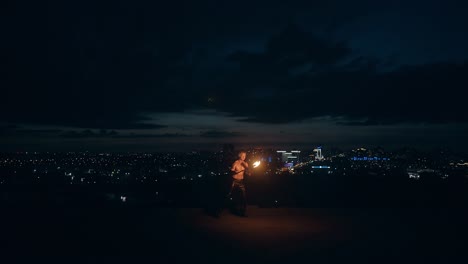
(318, 153)
(293, 156)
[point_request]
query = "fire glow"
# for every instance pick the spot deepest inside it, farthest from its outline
(256, 164)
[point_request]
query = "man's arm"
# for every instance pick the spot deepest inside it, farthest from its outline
(233, 167)
(245, 164)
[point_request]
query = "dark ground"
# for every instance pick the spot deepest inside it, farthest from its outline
(136, 234)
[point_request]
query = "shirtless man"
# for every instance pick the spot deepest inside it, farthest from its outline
(239, 167)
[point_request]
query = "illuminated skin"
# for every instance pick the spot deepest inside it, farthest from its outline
(239, 166)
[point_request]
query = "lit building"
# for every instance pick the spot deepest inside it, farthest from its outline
(318, 155)
(293, 156)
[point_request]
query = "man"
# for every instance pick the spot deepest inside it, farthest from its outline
(239, 168)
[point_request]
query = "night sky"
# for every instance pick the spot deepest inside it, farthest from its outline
(183, 75)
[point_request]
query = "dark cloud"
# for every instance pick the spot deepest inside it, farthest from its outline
(116, 135)
(14, 131)
(21, 132)
(102, 64)
(163, 135)
(363, 123)
(88, 134)
(6, 128)
(105, 65)
(37, 131)
(93, 65)
(219, 134)
(355, 91)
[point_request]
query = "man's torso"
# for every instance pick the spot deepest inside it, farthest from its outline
(240, 168)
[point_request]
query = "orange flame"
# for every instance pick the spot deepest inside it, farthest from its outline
(256, 164)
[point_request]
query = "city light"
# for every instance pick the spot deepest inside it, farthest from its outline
(139, 171)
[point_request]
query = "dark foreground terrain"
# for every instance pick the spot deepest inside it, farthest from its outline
(132, 234)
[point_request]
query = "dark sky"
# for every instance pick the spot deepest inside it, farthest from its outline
(182, 75)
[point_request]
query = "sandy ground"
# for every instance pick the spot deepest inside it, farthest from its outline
(268, 235)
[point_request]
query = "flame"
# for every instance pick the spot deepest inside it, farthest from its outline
(256, 164)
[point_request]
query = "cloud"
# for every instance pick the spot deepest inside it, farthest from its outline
(116, 135)
(17, 131)
(97, 67)
(354, 90)
(101, 65)
(164, 135)
(91, 65)
(88, 134)
(7, 128)
(219, 134)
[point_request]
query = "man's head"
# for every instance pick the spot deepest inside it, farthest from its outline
(242, 155)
